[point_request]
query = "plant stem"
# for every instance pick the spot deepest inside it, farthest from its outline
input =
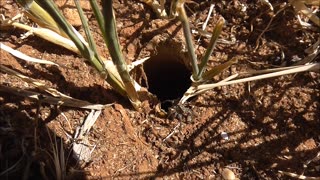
(113, 44)
(85, 25)
(99, 17)
(86, 28)
(187, 33)
(215, 34)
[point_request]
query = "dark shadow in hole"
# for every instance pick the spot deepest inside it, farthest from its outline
(168, 77)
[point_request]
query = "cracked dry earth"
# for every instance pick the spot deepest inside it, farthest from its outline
(272, 125)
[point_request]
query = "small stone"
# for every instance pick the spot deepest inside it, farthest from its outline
(227, 174)
(8, 6)
(224, 136)
(197, 142)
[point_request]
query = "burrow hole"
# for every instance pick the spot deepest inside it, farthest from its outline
(168, 77)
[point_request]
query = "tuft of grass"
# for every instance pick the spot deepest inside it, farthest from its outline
(47, 15)
(178, 10)
(58, 157)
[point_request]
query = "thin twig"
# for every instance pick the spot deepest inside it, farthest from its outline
(172, 133)
(267, 27)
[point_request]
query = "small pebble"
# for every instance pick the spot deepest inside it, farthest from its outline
(224, 136)
(8, 6)
(227, 174)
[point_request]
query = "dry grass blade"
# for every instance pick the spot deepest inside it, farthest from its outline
(89, 122)
(25, 57)
(62, 101)
(196, 89)
(137, 63)
(59, 98)
(58, 157)
(297, 176)
(297, 69)
(43, 33)
(204, 25)
(157, 7)
(32, 81)
(80, 148)
(266, 2)
(300, 6)
(218, 69)
(312, 52)
(208, 17)
(40, 16)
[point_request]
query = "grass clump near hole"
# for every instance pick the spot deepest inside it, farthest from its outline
(47, 13)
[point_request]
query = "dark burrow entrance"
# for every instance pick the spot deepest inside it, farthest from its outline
(168, 77)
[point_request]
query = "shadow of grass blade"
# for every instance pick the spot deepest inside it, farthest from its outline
(215, 34)
(113, 45)
(37, 14)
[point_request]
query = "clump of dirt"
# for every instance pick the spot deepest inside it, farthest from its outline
(252, 129)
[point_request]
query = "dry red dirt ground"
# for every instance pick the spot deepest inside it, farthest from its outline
(273, 125)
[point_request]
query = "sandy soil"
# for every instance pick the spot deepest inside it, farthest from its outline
(272, 125)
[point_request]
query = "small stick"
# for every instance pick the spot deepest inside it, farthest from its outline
(174, 131)
(265, 29)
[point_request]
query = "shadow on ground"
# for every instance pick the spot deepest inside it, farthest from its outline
(28, 148)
